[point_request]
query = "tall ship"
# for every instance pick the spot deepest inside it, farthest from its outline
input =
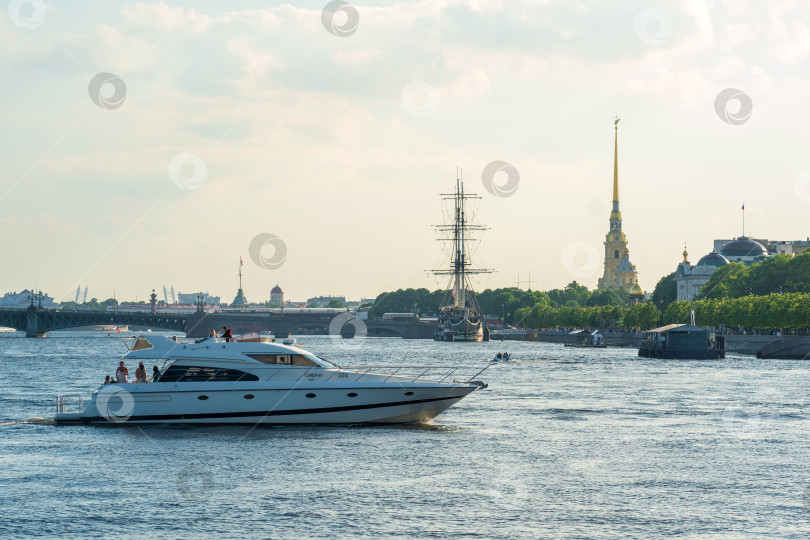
(460, 316)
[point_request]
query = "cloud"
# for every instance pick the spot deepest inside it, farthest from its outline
(168, 19)
(304, 134)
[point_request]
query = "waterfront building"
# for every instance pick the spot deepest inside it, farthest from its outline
(23, 299)
(636, 294)
(240, 300)
(619, 272)
(743, 249)
(277, 295)
(795, 247)
(771, 247)
(324, 300)
(690, 278)
(191, 298)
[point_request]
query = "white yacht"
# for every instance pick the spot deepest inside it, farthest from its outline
(256, 382)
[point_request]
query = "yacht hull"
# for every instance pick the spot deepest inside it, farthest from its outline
(119, 404)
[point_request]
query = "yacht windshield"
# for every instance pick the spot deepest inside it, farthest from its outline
(322, 359)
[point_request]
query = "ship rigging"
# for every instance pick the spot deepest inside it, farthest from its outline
(460, 316)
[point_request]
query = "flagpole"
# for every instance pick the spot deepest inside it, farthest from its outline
(743, 209)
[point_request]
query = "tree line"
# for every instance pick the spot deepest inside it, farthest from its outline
(778, 274)
(505, 303)
(770, 295)
(776, 311)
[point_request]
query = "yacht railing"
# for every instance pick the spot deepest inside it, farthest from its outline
(61, 399)
(439, 374)
(454, 374)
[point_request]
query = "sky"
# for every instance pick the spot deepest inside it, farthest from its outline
(147, 144)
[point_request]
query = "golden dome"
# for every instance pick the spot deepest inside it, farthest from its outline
(636, 289)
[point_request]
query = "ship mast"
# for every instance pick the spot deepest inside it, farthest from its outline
(458, 236)
(460, 265)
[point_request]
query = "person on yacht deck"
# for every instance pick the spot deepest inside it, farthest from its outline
(226, 333)
(140, 373)
(155, 373)
(121, 373)
(212, 334)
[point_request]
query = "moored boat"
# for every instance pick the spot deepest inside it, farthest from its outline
(682, 342)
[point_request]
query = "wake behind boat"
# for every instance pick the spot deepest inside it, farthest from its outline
(266, 383)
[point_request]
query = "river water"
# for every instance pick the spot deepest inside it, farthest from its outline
(565, 443)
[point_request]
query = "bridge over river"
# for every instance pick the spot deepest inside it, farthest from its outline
(37, 322)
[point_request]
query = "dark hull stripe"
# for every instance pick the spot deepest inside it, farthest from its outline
(214, 416)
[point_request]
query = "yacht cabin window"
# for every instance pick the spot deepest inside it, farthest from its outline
(286, 359)
(202, 374)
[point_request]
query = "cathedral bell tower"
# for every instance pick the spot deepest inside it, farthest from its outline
(619, 271)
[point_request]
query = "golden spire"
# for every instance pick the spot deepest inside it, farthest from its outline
(685, 254)
(616, 159)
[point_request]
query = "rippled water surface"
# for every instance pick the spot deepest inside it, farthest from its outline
(565, 443)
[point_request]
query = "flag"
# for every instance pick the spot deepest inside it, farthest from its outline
(240, 261)
(116, 329)
(743, 207)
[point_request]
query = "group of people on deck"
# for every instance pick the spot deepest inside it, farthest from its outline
(122, 374)
(226, 334)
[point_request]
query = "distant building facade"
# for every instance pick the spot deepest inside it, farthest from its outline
(772, 247)
(191, 298)
(277, 295)
(619, 272)
(690, 278)
(636, 294)
(323, 300)
(23, 299)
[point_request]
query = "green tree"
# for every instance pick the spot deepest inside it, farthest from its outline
(665, 292)
(726, 282)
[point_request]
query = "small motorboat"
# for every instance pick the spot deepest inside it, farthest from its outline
(502, 357)
(256, 382)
